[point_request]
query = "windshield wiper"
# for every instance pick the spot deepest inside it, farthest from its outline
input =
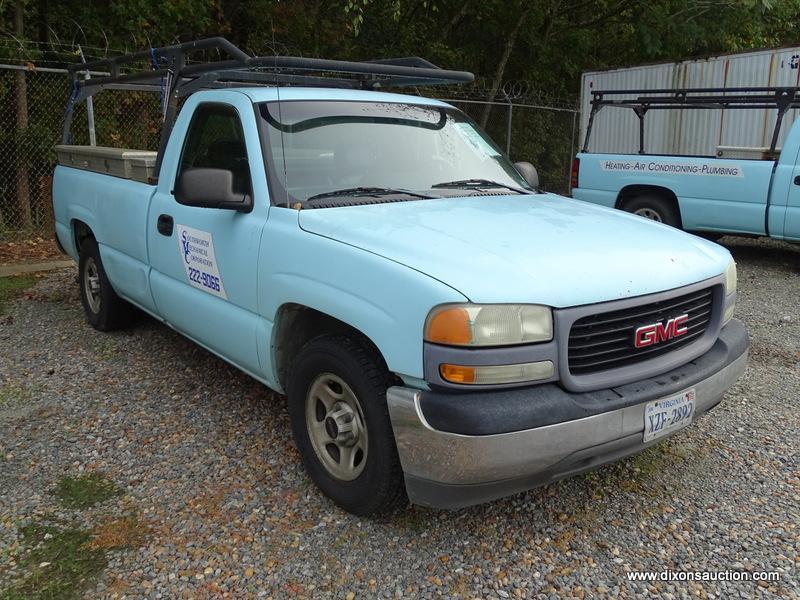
(369, 191)
(479, 183)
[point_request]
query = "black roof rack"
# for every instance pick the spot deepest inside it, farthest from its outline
(642, 100)
(170, 69)
(171, 74)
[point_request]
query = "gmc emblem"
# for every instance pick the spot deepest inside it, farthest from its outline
(647, 335)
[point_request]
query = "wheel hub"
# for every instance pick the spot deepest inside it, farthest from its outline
(335, 425)
(92, 285)
(342, 425)
(649, 213)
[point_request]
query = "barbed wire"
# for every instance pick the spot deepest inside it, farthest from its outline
(52, 52)
(515, 92)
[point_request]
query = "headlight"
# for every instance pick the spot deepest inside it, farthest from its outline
(489, 324)
(730, 278)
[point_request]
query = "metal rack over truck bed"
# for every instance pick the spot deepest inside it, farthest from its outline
(174, 77)
(642, 100)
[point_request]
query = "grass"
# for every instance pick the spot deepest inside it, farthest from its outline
(10, 287)
(13, 395)
(121, 532)
(86, 490)
(640, 471)
(58, 564)
(105, 348)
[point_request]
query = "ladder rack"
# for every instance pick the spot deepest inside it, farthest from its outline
(779, 98)
(172, 75)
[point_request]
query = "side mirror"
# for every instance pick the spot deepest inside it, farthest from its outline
(210, 188)
(528, 172)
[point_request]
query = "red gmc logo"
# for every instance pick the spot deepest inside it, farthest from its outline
(647, 335)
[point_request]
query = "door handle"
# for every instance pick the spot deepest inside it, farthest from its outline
(165, 225)
(797, 180)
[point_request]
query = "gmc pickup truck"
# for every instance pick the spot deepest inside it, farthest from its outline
(444, 331)
(740, 190)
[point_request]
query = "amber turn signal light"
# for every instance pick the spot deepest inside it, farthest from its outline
(497, 374)
(450, 326)
(457, 373)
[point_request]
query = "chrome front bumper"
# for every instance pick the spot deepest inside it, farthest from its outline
(452, 470)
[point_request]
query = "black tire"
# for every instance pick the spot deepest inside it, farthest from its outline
(105, 311)
(656, 208)
(379, 486)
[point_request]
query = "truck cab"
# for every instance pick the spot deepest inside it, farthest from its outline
(444, 331)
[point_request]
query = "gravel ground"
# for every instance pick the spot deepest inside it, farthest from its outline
(205, 463)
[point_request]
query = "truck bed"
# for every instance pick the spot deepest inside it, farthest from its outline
(714, 194)
(115, 209)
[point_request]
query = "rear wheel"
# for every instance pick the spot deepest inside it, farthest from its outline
(104, 310)
(714, 237)
(340, 423)
(656, 208)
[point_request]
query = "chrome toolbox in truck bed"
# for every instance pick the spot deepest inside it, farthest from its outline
(118, 162)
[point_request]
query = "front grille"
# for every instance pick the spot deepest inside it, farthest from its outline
(605, 341)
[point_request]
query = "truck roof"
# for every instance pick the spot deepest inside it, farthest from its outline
(270, 94)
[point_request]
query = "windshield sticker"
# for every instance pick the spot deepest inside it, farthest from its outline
(475, 139)
(673, 168)
(199, 262)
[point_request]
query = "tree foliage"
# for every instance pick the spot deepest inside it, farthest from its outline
(548, 43)
(543, 44)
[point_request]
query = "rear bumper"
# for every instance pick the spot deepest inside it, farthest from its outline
(449, 469)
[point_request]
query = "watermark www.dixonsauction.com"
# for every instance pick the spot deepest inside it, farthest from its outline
(670, 575)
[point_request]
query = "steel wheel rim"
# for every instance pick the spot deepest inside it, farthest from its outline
(649, 213)
(91, 285)
(335, 424)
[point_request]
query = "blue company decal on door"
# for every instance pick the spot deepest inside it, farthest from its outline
(199, 260)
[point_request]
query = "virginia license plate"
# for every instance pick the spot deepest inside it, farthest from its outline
(662, 417)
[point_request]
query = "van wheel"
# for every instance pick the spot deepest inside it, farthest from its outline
(104, 310)
(655, 208)
(340, 423)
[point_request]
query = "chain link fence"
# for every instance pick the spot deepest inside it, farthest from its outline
(544, 136)
(32, 102)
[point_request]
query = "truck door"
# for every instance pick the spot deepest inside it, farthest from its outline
(204, 260)
(791, 224)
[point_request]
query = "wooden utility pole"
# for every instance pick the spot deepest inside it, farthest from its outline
(21, 102)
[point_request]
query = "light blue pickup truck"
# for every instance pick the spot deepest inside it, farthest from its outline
(740, 190)
(444, 331)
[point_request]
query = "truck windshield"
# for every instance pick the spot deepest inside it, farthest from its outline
(346, 150)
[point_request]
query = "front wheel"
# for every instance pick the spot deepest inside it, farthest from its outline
(656, 208)
(340, 423)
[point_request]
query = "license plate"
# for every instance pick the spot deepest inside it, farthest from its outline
(662, 417)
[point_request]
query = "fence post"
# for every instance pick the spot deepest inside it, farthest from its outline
(508, 129)
(23, 185)
(571, 153)
(89, 107)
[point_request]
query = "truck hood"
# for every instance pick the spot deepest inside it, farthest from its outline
(542, 249)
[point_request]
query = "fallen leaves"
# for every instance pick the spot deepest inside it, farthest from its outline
(33, 250)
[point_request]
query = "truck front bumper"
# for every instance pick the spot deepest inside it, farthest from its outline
(462, 449)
